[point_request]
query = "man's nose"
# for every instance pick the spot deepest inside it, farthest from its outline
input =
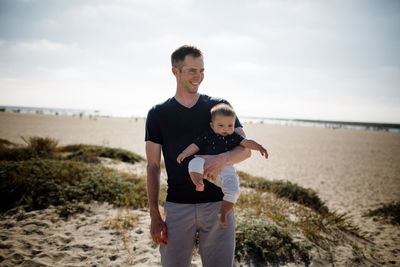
(197, 75)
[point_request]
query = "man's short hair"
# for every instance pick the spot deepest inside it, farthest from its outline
(178, 56)
(222, 109)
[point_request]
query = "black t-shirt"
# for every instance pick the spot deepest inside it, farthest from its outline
(175, 126)
(211, 143)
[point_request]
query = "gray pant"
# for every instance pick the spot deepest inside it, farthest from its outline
(216, 244)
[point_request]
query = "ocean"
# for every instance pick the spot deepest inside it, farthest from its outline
(50, 111)
(391, 127)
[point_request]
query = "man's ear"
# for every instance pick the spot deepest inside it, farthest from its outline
(174, 70)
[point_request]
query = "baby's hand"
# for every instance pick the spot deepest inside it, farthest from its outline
(180, 158)
(200, 186)
(263, 152)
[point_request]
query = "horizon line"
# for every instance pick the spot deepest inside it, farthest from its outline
(360, 123)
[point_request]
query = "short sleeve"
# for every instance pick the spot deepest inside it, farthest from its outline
(237, 138)
(153, 131)
(201, 140)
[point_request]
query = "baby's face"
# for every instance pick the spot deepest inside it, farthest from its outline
(223, 125)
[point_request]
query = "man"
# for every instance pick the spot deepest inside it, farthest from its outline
(170, 127)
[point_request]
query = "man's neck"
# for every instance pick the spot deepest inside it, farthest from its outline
(187, 100)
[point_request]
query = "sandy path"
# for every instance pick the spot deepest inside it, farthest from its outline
(41, 238)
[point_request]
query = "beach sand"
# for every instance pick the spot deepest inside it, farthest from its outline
(353, 171)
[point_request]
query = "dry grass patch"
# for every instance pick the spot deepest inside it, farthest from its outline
(123, 223)
(284, 189)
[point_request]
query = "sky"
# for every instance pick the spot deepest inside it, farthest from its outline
(323, 60)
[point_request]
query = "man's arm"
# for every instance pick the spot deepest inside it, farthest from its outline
(158, 229)
(215, 163)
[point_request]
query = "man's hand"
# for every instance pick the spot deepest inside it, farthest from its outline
(158, 231)
(213, 165)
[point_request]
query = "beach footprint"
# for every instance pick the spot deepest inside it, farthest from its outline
(65, 240)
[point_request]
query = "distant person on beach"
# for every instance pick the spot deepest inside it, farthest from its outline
(220, 138)
(170, 127)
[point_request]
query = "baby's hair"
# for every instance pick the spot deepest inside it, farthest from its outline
(222, 109)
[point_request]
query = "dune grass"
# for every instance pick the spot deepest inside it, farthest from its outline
(90, 153)
(45, 147)
(287, 209)
(36, 147)
(269, 243)
(6, 143)
(277, 222)
(35, 176)
(38, 183)
(274, 207)
(284, 189)
(388, 212)
(122, 223)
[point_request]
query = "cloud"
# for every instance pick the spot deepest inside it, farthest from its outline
(246, 67)
(42, 46)
(230, 41)
(269, 58)
(166, 42)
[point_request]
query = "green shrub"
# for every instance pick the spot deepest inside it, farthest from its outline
(39, 183)
(285, 189)
(268, 243)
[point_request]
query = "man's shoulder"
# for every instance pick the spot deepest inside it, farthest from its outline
(212, 101)
(163, 105)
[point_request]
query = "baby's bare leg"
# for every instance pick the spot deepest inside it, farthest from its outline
(197, 179)
(226, 208)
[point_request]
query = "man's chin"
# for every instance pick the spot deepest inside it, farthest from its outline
(193, 90)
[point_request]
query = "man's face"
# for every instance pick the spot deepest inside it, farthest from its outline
(190, 74)
(223, 125)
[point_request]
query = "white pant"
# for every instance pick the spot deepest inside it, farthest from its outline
(228, 180)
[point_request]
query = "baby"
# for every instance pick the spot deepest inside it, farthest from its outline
(220, 139)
